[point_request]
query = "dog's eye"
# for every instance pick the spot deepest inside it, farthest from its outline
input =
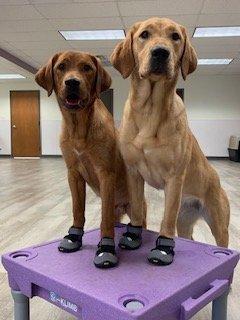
(87, 68)
(62, 66)
(144, 35)
(175, 36)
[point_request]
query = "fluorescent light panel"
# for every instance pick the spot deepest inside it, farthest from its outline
(11, 76)
(93, 35)
(214, 61)
(202, 32)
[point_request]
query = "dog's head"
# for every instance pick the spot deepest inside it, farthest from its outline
(76, 77)
(156, 49)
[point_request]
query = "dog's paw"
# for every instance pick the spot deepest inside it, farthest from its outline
(163, 253)
(132, 239)
(72, 242)
(106, 255)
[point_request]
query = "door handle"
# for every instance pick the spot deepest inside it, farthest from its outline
(14, 126)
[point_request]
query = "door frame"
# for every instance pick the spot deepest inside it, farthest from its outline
(111, 91)
(39, 119)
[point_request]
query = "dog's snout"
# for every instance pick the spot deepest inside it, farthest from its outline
(160, 53)
(73, 83)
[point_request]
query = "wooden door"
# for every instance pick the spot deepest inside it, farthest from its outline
(107, 99)
(180, 92)
(25, 121)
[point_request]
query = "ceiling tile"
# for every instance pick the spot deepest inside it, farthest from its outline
(78, 10)
(99, 51)
(47, 52)
(6, 46)
(39, 45)
(30, 36)
(232, 69)
(28, 28)
(44, 56)
(85, 45)
(214, 52)
(236, 62)
(77, 1)
(49, 1)
(231, 51)
(86, 23)
(210, 69)
(129, 21)
(150, 7)
(160, 7)
(9, 67)
(224, 41)
(230, 72)
(215, 55)
(25, 25)
(19, 12)
(217, 20)
(12, 2)
(180, 6)
(221, 6)
(188, 20)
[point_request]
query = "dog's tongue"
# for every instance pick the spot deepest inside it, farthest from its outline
(72, 101)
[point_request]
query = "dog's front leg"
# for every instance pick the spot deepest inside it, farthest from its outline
(132, 239)
(163, 253)
(173, 196)
(78, 191)
(73, 241)
(106, 255)
(107, 193)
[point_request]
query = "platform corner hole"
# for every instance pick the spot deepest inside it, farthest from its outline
(20, 255)
(222, 253)
(133, 305)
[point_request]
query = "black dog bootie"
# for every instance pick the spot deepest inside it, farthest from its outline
(72, 242)
(132, 239)
(163, 254)
(106, 255)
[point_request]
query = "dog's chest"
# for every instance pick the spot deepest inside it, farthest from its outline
(86, 169)
(151, 158)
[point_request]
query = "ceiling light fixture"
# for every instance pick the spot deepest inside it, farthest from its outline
(203, 32)
(214, 61)
(6, 76)
(93, 35)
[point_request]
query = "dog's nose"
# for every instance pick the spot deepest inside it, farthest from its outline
(160, 53)
(72, 82)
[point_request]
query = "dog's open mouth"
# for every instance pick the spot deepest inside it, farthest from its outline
(73, 101)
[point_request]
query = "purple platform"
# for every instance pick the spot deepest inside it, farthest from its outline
(200, 274)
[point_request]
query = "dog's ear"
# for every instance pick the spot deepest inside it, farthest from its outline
(103, 79)
(189, 57)
(44, 76)
(122, 57)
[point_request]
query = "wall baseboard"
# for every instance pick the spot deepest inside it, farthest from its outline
(26, 158)
(51, 156)
(60, 156)
(42, 156)
(217, 158)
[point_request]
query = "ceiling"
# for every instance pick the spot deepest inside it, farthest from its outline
(29, 28)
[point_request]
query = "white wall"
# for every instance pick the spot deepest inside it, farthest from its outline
(213, 108)
(212, 102)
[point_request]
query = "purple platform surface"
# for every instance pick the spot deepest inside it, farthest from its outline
(199, 274)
